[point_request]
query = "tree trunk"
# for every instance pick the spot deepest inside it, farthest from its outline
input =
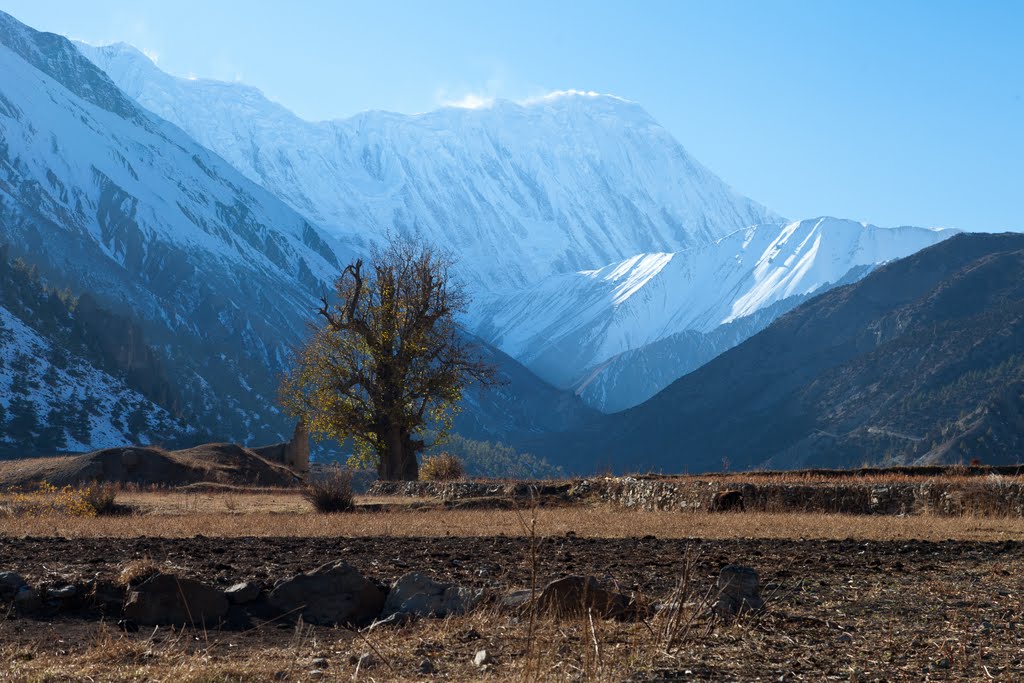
(398, 461)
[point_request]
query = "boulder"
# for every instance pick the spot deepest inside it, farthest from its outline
(68, 592)
(420, 595)
(105, 596)
(27, 599)
(10, 584)
(576, 595)
(334, 593)
(739, 590)
(168, 599)
(515, 601)
(242, 593)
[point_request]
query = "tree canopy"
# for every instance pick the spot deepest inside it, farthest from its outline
(386, 363)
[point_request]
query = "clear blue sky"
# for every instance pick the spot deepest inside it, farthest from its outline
(895, 112)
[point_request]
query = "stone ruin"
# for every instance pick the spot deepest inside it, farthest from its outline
(293, 453)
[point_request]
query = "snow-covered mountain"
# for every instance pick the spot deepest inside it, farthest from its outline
(536, 198)
(108, 199)
(620, 333)
(112, 202)
(519, 191)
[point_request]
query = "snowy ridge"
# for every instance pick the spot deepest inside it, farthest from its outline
(570, 327)
(535, 198)
(519, 190)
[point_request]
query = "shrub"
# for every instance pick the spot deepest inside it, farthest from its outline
(442, 467)
(331, 492)
(102, 498)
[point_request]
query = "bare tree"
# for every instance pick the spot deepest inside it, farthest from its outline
(386, 364)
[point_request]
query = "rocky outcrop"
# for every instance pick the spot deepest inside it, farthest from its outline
(293, 453)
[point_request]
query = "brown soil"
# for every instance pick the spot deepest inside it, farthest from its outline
(842, 610)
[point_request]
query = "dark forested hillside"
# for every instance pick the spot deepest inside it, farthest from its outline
(923, 360)
(73, 374)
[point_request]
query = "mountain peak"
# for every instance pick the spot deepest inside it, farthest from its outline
(555, 184)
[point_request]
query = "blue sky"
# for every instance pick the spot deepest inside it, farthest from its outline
(892, 112)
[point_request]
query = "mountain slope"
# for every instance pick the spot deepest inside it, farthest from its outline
(108, 199)
(919, 361)
(73, 375)
(519, 191)
(124, 209)
(621, 333)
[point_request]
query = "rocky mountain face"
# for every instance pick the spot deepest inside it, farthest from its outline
(518, 190)
(617, 335)
(918, 362)
(600, 254)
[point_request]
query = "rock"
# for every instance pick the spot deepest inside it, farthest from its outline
(10, 582)
(168, 599)
(419, 595)
(27, 599)
(68, 592)
(365, 661)
(107, 597)
(396, 619)
(243, 593)
(127, 625)
(576, 595)
(334, 593)
(739, 591)
(515, 600)
(315, 674)
(320, 663)
(727, 501)
(483, 658)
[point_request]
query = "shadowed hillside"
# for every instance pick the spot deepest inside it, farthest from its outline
(921, 361)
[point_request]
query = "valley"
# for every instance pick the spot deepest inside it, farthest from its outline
(514, 387)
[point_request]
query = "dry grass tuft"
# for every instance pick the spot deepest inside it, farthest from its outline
(135, 572)
(332, 492)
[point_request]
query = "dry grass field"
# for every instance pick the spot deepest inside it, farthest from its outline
(269, 515)
(849, 598)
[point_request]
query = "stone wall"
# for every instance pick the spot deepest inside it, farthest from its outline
(991, 495)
